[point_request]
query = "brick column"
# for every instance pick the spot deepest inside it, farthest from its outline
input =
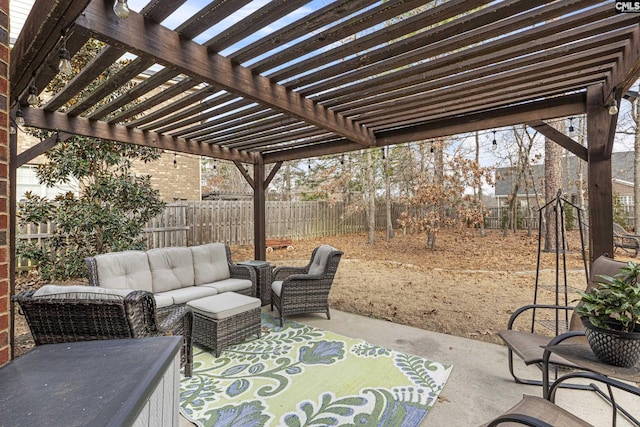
(5, 323)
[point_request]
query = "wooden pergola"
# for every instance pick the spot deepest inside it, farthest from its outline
(354, 74)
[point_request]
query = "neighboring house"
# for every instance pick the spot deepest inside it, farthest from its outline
(621, 170)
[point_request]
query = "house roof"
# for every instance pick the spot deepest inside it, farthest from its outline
(621, 171)
(342, 76)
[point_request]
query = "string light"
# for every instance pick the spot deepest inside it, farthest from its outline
(494, 143)
(571, 128)
(175, 160)
(19, 117)
(613, 108)
(64, 65)
(384, 155)
(121, 9)
(33, 99)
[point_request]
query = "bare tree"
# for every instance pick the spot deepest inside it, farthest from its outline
(371, 194)
(552, 183)
(387, 193)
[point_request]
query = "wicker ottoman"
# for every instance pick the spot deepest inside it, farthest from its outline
(224, 319)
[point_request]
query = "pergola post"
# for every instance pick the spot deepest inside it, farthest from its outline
(600, 133)
(259, 210)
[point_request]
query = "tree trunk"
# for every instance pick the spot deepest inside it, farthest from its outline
(479, 204)
(372, 198)
(552, 183)
(387, 185)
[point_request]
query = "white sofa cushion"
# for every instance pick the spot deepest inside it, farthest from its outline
(230, 285)
(171, 268)
(319, 263)
(182, 295)
(210, 263)
(163, 300)
(81, 292)
(277, 287)
(224, 305)
(124, 270)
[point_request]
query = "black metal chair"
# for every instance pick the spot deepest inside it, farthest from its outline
(527, 345)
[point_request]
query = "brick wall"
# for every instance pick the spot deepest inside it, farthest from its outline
(175, 181)
(4, 182)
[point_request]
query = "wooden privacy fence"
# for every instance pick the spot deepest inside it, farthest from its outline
(231, 221)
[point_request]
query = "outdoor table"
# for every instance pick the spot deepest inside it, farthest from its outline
(263, 271)
(93, 383)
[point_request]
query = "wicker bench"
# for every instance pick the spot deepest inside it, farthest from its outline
(224, 319)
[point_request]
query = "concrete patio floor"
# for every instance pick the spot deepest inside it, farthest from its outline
(480, 386)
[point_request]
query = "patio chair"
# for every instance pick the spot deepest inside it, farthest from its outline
(297, 290)
(539, 412)
(527, 345)
(57, 314)
(629, 243)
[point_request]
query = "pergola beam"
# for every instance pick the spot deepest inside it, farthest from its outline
(42, 119)
(570, 105)
(561, 139)
(195, 60)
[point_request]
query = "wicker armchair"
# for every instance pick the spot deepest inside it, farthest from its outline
(297, 290)
(58, 314)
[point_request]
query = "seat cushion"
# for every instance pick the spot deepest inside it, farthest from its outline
(277, 287)
(230, 285)
(163, 300)
(182, 295)
(124, 270)
(171, 268)
(210, 263)
(224, 305)
(80, 292)
(320, 259)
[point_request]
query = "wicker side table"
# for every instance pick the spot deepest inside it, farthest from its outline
(263, 274)
(225, 319)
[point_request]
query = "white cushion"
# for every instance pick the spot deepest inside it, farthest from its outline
(277, 287)
(224, 305)
(230, 285)
(171, 268)
(210, 263)
(320, 259)
(163, 300)
(124, 270)
(182, 295)
(81, 292)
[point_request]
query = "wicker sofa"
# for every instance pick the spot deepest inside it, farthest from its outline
(173, 275)
(57, 314)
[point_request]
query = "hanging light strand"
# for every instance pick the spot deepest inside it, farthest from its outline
(121, 9)
(64, 64)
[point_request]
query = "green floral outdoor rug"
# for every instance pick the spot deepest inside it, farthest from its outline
(298, 375)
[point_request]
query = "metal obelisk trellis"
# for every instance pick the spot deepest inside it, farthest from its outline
(561, 246)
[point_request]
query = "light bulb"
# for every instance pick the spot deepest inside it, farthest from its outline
(12, 130)
(613, 108)
(32, 99)
(121, 9)
(65, 63)
(19, 117)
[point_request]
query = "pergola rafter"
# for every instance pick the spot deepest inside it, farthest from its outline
(351, 75)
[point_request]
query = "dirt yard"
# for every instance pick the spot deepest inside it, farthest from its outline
(468, 286)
